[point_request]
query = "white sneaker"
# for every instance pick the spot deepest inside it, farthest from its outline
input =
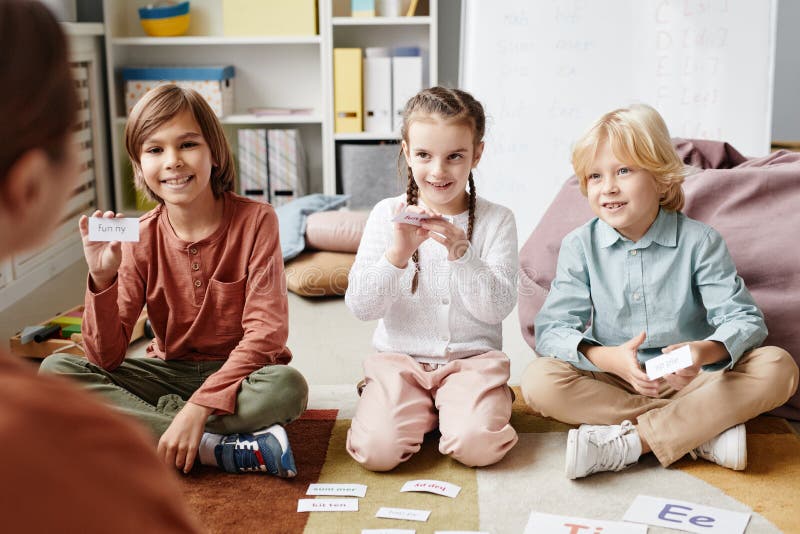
(728, 449)
(595, 448)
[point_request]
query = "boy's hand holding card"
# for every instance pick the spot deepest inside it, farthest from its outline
(669, 363)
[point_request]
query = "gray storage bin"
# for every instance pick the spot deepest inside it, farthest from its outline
(368, 173)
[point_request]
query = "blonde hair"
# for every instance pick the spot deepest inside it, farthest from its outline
(639, 137)
(159, 106)
(452, 105)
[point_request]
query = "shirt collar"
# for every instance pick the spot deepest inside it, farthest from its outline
(663, 231)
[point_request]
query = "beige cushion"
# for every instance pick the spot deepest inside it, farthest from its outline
(335, 231)
(319, 274)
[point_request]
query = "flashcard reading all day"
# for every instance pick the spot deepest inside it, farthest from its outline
(668, 363)
(403, 513)
(539, 523)
(327, 505)
(687, 516)
(122, 229)
(409, 217)
(338, 490)
(432, 486)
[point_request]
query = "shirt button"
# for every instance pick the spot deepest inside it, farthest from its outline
(636, 296)
(634, 252)
(193, 251)
(445, 301)
(197, 283)
(195, 266)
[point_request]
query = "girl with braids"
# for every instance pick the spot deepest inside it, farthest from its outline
(440, 292)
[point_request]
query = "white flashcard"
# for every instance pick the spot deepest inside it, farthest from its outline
(338, 490)
(687, 516)
(122, 229)
(387, 531)
(403, 513)
(409, 217)
(539, 523)
(327, 505)
(432, 486)
(669, 363)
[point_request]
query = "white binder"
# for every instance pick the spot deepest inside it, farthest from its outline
(378, 94)
(406, 82)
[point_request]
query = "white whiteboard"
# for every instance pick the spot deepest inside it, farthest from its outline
(546, 69)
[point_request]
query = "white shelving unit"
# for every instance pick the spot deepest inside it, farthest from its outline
(26, 271)
(280, 71)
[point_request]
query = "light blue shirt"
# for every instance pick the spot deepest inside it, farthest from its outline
(677, 283)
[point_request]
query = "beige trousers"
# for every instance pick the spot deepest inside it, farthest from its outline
(675, 422)
(468, 399)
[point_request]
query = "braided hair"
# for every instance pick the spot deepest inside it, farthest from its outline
(453, 105)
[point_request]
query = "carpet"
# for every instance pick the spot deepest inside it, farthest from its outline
(498, 498)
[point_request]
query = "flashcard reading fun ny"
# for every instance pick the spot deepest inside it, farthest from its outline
(339, 490)
(669, 363)
(122, 229)
(539, 523)
(682, 515)
(327, 505)
(432, 486)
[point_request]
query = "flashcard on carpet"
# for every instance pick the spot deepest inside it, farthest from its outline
(539, 523)
(432, 486)
(687, 516)
(339, 490)
(403, 513)
(669, 363)
(327, 505)
(122, 229)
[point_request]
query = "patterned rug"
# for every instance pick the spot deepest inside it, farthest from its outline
(495, 499)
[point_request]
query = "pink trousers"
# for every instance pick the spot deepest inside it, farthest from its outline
(403, 400)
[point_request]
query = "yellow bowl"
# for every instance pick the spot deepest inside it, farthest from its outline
(168, 27)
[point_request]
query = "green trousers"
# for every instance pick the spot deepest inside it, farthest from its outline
(154, 391)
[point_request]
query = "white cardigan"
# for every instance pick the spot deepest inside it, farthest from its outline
(459, 306)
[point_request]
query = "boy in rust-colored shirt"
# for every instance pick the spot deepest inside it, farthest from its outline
(208, 266)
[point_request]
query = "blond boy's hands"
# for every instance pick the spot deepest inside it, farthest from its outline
(622, 361)
(102, 257)
(704, 352)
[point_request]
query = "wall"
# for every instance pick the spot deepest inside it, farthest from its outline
(786, 104)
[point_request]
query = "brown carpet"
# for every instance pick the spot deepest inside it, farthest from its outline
(252, 503)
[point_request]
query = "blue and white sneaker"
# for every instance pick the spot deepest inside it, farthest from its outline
(266, 451)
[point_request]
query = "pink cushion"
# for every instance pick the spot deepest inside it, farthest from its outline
(754, 204)
(335, 231)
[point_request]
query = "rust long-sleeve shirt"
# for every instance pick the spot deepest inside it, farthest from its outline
(221, 298)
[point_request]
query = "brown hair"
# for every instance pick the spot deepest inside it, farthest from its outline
(38, 101)
(452, 105)
(638, 136)
(159, 106)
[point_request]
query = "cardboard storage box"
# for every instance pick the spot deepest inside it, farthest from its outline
(214, 83)
(67, 346)
(269, 17)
